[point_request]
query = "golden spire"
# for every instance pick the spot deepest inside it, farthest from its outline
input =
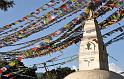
(90, 15)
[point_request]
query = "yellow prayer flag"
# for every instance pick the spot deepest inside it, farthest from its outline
(17, 22)
(47, 40)
(20, 35)
(87, 11)
(73, 0)
(66, 26)
(12, 64)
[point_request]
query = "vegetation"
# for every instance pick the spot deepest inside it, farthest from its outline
(5, 4)
(19, 71)
(59, 73)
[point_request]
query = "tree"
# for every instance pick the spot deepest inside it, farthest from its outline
(18, 71)
(59, 73)
(4, 4)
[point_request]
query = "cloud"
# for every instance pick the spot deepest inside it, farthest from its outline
(113, 67)
(74, 68)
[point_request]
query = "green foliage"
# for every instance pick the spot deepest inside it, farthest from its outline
(4, 4)
(59, 73)
(3, 63)
(19, 71)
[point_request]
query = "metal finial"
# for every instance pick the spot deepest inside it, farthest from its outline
(90, 15)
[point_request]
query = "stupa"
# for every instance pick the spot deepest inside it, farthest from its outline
(93, 57)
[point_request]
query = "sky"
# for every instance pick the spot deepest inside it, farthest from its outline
(24, 7)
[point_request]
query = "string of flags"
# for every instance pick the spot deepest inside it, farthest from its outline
(55, 59)
(114, 18)
(44, 7)
(31, 52)
(103, 36)
(62, 63)
(44, 42)
(71, 36)
(69, 3)
(51, 48)
(108, 7)
(11, 75)
(74, 22)
(46, 39)
(117, 38)
(49, 13)
(29, 22)
(14, 39)
(10, 39)
(49, 37)
(43, 17)
(12, 64)
(66, 26)
(47, 51)
(4, 43)
(48, 17)
(119, 29)
(15, 29)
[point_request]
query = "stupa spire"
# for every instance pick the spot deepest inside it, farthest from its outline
(92, 53)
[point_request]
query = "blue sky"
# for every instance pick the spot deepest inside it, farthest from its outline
(24, 7)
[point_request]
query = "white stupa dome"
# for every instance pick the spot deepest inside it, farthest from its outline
(94, 74)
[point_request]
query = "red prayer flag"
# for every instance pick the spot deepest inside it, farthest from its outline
(19, 58)
(63, 0)
(64, 7)
(96, 1)
(1, 71)
(34, 49)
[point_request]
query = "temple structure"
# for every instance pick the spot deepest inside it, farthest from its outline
(93, 57)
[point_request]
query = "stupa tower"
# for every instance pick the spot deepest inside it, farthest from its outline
(92, 53)
(93, 57)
